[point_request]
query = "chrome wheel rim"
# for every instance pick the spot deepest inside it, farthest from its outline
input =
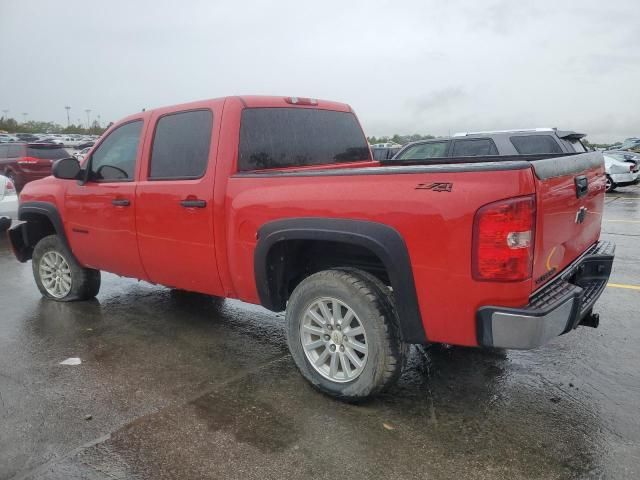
(334, 340)
(55, 274)
(609, 183)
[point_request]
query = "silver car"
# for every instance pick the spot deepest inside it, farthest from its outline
(8, 203)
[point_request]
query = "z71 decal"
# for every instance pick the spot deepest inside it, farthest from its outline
(436, 187)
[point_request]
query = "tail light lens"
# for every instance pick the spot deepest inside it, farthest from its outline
(503, 238)
(28, 161)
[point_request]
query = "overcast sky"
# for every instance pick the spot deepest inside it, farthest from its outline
(405, 66)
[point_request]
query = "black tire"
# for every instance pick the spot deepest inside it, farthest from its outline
(611, 186)
(5, 223)
(372, 302)
(85, 282)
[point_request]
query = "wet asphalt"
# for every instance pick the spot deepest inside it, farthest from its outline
(179, 386)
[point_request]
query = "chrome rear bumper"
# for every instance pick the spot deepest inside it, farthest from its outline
(557, 308)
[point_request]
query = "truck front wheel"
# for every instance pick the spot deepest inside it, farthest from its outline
(58, 274)
(343, 334)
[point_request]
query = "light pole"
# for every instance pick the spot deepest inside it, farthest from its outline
(5, 112)
(24, 117)
(88, 111)
(98, 117)
(67, 108)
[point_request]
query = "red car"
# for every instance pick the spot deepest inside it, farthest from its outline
(278, 202)
(25, 162)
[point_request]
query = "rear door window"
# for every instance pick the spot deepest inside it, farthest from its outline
(181, 145)
(423, 151)
(298, 137)
(47, 153)
(473, 147)
(535, 144)
(577, 146)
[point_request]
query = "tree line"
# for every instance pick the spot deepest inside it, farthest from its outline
(401, 139)
(11, 125)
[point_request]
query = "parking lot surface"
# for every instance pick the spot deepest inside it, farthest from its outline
(178, 386)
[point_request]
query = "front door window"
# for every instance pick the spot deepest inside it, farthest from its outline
(115, 158)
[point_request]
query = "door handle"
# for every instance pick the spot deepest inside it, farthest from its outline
(193, 203)
(120, 202)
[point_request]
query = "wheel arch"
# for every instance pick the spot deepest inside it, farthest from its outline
(381, 240)
(39, 220)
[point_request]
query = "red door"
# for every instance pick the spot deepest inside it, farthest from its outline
(174, 198)
(100, 214)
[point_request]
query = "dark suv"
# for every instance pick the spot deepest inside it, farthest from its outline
(25, 162)
(539, 141)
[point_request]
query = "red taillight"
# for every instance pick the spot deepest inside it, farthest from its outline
(503, 236)
(28, 161)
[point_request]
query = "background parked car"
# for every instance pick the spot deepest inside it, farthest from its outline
(27, 137)
(25, 162)
(6, 138)
(54, 140)
(84, 145)
(619, 173)
(539, 141)
(79, 155)
(8, 202)
(625, 156)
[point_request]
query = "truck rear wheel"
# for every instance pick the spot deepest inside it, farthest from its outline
(343, 334)
(58, 274)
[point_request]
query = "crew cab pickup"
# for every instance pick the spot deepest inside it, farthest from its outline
(277, 201)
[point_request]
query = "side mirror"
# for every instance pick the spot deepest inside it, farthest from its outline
(66, 169)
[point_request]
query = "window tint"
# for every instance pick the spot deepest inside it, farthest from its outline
(424, 150)
(3, 150)
(535, 144)
(287, 137)
(473, 147)
(181, 145)
(115, 157)
(50, 153)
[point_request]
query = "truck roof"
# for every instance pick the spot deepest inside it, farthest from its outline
(255, 101)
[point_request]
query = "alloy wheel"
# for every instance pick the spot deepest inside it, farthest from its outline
(334, 340)
(55, 274)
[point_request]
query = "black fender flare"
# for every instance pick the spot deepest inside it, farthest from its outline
(46, 209)
(383, 240)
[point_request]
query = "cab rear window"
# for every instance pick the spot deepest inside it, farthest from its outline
(298, 137)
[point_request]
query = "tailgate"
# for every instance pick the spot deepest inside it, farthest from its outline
(570, 201)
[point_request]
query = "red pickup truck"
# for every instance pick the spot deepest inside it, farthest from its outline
(277, 201)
